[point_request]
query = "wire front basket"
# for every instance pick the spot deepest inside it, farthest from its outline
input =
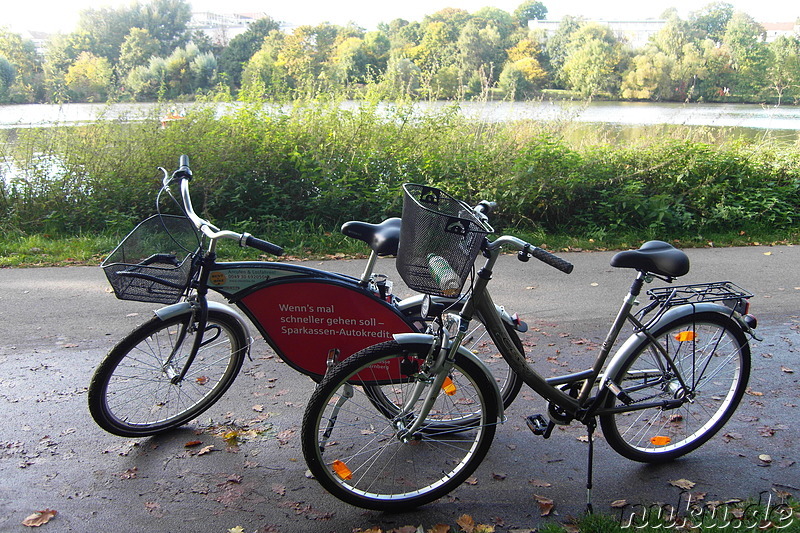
(439, 240)
(154, 263)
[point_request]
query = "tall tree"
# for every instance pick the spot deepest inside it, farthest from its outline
(711, 21)
(136, 50)
(745, 38)
(593, 56)
(244, 46)
(783, 73)
(530, 10)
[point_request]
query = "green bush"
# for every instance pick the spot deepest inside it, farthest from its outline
(324, 163)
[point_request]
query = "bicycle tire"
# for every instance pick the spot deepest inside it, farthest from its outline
(131, 393)
(713, 355)
(342, 431)
(479, 342)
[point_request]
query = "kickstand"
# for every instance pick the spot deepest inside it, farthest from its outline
(590, 427)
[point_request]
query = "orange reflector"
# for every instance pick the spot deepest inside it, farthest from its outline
(660, 441)
(341, 470)
(684, 336)
(448, 386)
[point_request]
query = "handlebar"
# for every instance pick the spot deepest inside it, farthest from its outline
(527, 250)
(184, 175)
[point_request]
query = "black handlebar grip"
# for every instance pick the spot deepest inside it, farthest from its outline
(486, 207)
(552, 260)
(264, 246)
(183, 172)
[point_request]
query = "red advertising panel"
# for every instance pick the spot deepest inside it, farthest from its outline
(306, 320)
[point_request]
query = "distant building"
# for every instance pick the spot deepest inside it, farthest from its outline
(636, 33)
(222, 28)
(779, 29)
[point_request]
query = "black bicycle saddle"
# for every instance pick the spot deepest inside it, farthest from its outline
(383, 238)
(656, 257)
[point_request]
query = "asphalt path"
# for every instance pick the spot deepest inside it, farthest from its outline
(58, 323)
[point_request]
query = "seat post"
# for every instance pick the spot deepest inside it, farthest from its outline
(613, 333)
(373, 256)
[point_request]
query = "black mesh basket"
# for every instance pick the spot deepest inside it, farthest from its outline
(439, 240)
(154, 262)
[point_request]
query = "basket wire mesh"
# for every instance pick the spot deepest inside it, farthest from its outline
(439, 240)
(154, 263)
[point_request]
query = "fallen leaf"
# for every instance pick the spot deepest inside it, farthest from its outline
(206, 450)
(39, 518)
(258, 408)
(285, 435)
(237, 529)
(767, 253)
(787, 370)
(471, 480)
(499, 477)
(540, 483)
(129, 473)
(280, 490)
(545, 505)
(440, 528)
(619, 504)
(684, 484)
(466, 522)
(192, 443)
(751, 392)
(765, 458)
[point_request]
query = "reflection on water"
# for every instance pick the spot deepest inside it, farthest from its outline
(753, 116)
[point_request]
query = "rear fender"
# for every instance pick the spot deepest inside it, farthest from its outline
(421, 338)
(637, 340)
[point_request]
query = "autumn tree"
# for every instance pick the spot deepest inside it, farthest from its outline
(89, 78)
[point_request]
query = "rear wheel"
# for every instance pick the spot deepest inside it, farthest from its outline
(363, 457)
(711, 358)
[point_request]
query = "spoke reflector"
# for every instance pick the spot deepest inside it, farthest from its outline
(660, 440)
(341, 470)
(448, 386)
(684, 336)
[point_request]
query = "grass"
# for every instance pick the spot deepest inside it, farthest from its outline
(315, 242)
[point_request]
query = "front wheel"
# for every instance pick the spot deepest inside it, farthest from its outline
(133, 392)
(711, 359)
(363, 456)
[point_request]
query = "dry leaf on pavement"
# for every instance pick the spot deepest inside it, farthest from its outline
(39, 518)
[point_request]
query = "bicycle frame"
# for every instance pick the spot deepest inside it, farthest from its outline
(583, 407)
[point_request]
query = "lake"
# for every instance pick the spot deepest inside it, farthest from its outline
(779, 119)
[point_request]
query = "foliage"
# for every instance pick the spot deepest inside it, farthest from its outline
(263, 168)
(718, 54)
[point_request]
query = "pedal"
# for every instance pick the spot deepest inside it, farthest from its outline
(539, 425)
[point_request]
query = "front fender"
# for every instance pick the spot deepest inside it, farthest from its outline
(422, 338)
(180, 308)
(637, 340)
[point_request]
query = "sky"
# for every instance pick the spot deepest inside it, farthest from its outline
(62, 15)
